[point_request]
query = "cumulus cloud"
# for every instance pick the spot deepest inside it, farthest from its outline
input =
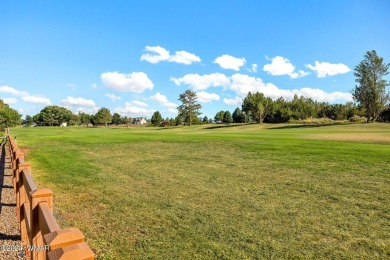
(79, 101)
(139, 103)
(36, 100)
(113, 97)
(184, 57)
(13, 91)
(130, 109)
(320, 95)
(163, 100)
(202, 82)
(10, 101)
(229, 62)
(158, 54)
(159, 98)
(136, 82)
(170, 105)
(242, 84)
(87, 110)
(324, 69)
(172, 110)
(282, 66)
(237, 101)
(207, 97)
(25, 96)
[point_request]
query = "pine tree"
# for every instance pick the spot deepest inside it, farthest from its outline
(190, 109)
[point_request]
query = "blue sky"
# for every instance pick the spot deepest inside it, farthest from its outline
(136, 57)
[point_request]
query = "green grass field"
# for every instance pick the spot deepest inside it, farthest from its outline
(217, 192)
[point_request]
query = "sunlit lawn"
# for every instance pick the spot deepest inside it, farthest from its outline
(236, 192)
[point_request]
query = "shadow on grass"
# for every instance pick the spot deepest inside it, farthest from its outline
(223, 126)
(305, 126)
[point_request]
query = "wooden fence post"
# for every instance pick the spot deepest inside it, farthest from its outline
(68, 244)
(22, 167)
(36, 239)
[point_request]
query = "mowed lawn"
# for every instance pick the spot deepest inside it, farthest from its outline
(219, 192)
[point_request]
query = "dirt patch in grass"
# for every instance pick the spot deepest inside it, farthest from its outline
(353, 137)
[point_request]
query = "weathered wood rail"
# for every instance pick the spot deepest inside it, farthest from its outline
(41, 236)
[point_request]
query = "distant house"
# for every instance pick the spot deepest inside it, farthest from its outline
(139, 121)
(63, 124)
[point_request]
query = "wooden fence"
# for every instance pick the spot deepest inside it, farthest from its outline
(41, 236)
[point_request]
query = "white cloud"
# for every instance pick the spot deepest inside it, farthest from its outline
(36, 100)
(139, 103)
(158, 54)
(242, 84)
(237, 101)
(229, 62)
(324, 69)
(172, 110)
(163, 100)
(10, 101)
(202, 82)
(13, 91)
(136, 82)
(170, 105)
(282, 66)
(134, 111)
(26, 97)
(207, 97)
(113, 97)
(253, 68)
(322, 96)
(159, 98)
(71, 101)
(94, 86)
(184, 57)
(87, 110)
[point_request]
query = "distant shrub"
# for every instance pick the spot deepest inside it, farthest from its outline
(323, 120)
(358, 119)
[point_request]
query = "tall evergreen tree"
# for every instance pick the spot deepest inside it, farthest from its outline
(190, 108)
(156, 118)
(227, 117)
(238, 116)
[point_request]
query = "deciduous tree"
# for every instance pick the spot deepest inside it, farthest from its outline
(371, 91)
(8, 116)
(116, 119)
(257, 106)
(103, 116)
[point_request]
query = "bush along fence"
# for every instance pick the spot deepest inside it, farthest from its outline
(41, 236)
